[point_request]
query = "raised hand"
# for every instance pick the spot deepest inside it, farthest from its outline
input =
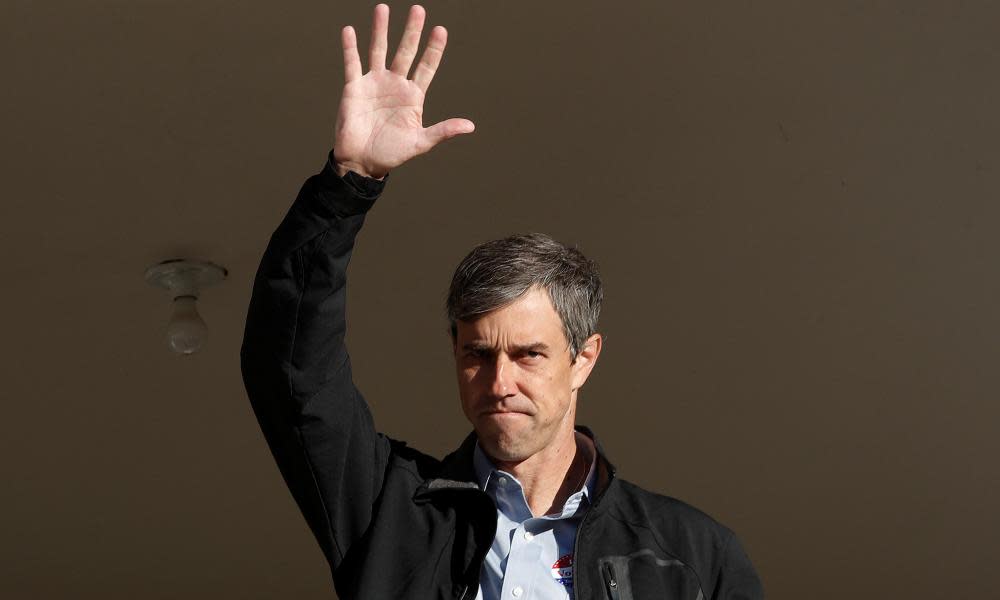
(380, 121)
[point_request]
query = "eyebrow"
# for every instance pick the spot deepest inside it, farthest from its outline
(520, 348)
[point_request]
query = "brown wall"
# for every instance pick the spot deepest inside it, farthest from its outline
(794, 206)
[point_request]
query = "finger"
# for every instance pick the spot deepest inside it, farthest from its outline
(439, 132)
(431, 58)
(379, 41)
(352, 62)
(403, 60)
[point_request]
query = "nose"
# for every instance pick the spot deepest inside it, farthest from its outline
(502, 385)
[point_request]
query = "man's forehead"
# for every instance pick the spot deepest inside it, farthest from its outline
(528, 320)
(491, 332)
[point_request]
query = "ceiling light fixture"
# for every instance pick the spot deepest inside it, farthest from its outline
(184, 279)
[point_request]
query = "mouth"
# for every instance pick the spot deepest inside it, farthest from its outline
(503, 414)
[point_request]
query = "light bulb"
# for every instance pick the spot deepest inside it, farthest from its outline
(186, 331)
(184, 279)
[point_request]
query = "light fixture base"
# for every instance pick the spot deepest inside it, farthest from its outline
(184, 277)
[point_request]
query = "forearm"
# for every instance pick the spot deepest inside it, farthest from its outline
(297, 310)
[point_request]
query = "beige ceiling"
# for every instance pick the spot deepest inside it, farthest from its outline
(794, 205)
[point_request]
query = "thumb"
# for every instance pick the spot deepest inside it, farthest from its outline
(439, 132)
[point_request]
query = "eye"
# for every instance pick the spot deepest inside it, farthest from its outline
(532, 355)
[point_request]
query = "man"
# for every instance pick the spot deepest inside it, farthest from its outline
(528, 507)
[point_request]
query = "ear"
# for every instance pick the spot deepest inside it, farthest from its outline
(586, 360)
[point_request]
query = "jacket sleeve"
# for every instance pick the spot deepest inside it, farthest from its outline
(738, 579)
(296, 368)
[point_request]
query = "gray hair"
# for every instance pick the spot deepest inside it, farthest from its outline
(499, 272)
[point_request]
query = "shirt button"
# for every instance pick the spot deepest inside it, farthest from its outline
(517, 592)
(528, 535)
(503, 481)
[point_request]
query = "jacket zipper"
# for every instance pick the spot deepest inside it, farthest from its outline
(610, 581)
(579, 531)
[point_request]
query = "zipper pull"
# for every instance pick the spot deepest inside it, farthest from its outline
(611, 581)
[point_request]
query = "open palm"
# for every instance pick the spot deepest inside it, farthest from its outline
(380, 121)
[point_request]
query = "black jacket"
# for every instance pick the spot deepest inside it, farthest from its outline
(393, 522)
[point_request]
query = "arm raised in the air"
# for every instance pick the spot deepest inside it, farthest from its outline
(294, 360)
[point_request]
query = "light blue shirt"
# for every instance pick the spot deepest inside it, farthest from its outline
(531, 557)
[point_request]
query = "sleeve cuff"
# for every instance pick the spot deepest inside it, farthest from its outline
(367, 187)
(332, 195)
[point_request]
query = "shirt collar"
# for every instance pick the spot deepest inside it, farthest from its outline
(484, 467)
(486, 470)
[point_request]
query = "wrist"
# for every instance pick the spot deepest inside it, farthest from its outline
(342, 167)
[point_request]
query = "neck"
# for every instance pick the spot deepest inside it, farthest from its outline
(554, 474)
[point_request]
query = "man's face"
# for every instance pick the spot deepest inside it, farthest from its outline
(516, 377)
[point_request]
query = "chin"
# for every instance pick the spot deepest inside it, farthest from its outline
(504, 452)
(505, 445)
